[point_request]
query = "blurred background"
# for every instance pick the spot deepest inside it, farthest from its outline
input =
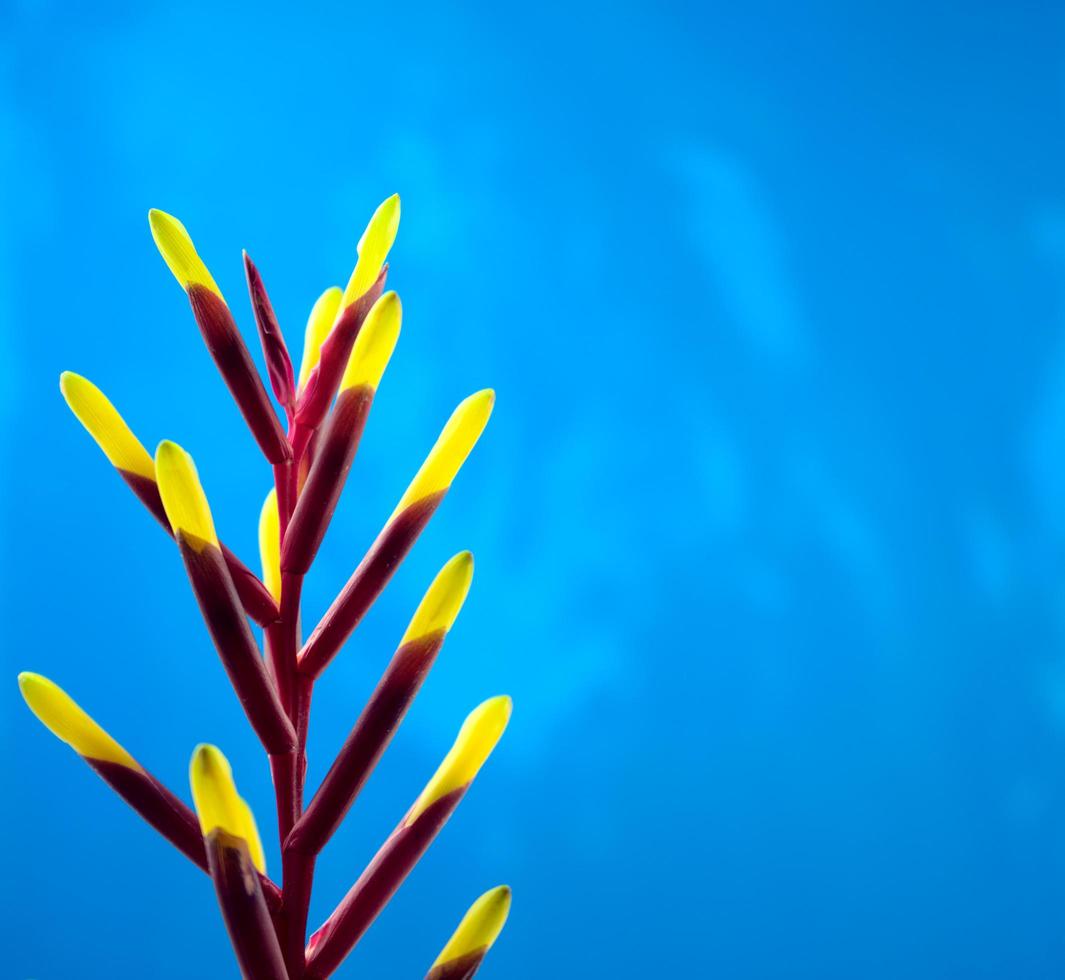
(769, 522)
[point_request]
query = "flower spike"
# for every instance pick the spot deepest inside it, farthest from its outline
(408, 842)
(386, 708)
(231, 841)
(221, 335)
(397, 537)
(480, 928)
(339, 440)
(66, 719)
(190, 516)
(137, 469)
(349, 339)
(319, 323)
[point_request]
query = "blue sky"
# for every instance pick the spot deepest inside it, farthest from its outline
(768, 522)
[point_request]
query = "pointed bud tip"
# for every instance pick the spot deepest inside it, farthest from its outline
(102, 421)
(373, 248)
(451, 449)
(218, 804)
(184, 501)
(208, 760)
(319, 323)
(375, 344)
(443, 601)
(485, 397)
(178, 252)
(480, 926)
(28, 680)
(480, 732)
(69, 722)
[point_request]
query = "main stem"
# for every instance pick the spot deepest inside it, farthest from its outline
(290, 771)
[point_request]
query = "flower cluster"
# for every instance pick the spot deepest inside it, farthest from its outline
(349, 340)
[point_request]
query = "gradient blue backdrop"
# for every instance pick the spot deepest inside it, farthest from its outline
(769, 522)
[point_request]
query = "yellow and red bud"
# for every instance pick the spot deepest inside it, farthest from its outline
(477, 932)
(374, 344)
(482, 729)
(218, 804)
(417, 505)
(374, 246)
(178, 252)
(183, 497)
(440, 606)
(102, 421)
(190, 516)
(234, 852)
(452, 448)
(66, 719)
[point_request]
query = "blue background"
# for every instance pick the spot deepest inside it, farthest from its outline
(769, 522)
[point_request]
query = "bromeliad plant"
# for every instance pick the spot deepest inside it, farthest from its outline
(349, 340)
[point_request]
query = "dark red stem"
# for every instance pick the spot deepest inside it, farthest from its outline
(237, 649)
(364, 746)
(365, 585)
(244, 908)
(376, 885)
(234, 363)
(337, 445)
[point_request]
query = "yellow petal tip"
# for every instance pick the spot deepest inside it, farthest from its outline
(218, 804)
(480, 926)
(480, 732)
(374, 246)
(270, 544)
(183, 497)
(319, 323)
(178, 252)
(442, 602)
(102, 421)
(69, 722)
(451, 449)
(375, 344)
